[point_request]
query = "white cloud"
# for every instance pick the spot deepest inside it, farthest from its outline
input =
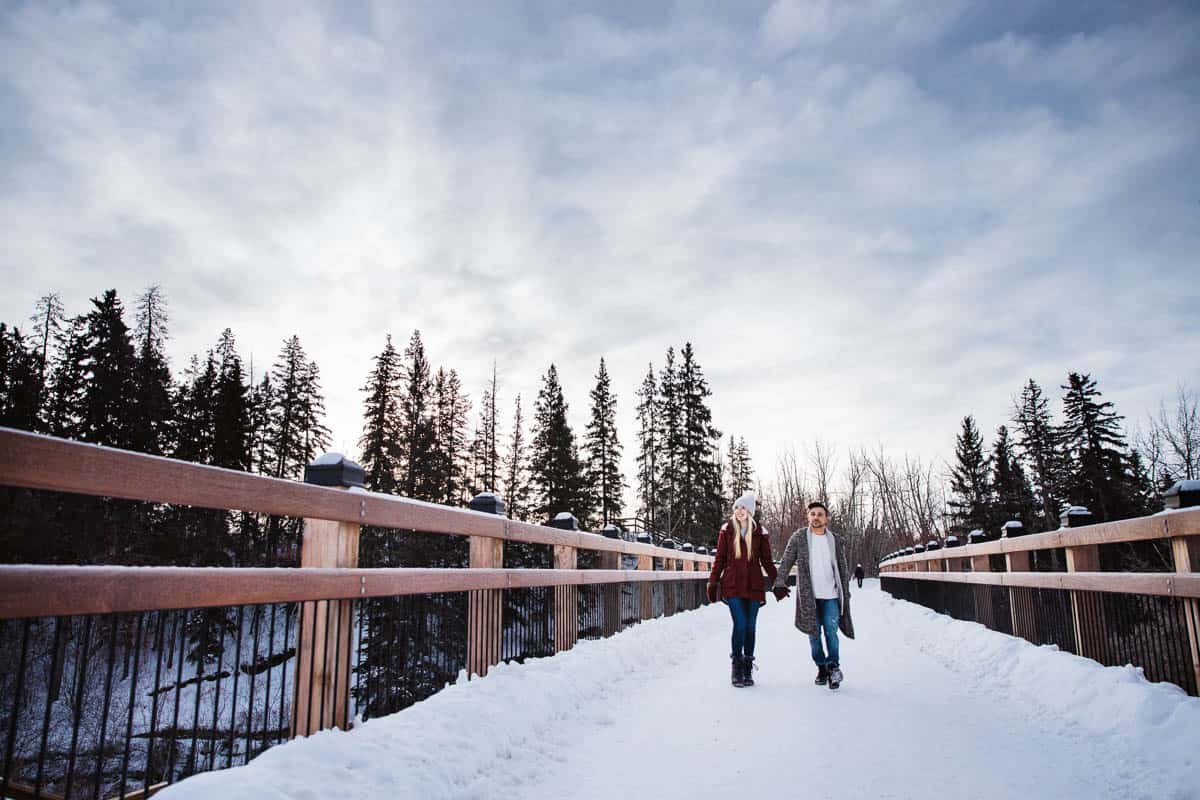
(880, 228)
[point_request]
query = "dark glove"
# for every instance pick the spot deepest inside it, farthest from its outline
(782, 592)
(712, 592)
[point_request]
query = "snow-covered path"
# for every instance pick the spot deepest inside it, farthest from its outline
(930, 707)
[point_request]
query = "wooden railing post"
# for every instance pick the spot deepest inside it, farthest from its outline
(1185, 551)
(985, 613)
(670, 565)
(566, 601)
(485, 607)
(646, 588)
(1020, 603)
(610, 593)
(325, 628)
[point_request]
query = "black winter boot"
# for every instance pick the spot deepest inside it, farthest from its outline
(747, 670)
(835, 676)
(822, 675)
(735, 675)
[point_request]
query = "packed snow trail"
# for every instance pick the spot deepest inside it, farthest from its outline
(930, 707)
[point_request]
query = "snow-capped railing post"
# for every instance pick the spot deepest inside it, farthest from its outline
(1087, 615)
(485, 607)
(566, 598)
(325, 629)
(1020, 603)
(1186, 553)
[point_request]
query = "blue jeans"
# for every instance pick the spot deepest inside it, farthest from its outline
(745, 616)
(828, 612)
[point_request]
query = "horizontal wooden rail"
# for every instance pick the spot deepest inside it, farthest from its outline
(1164, 525)
(101, 590)
(34, 461)
(1156, 583)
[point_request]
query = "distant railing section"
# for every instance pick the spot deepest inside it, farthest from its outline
(117, 681)
(1013, 584)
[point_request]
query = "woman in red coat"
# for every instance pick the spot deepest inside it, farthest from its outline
(742, 554)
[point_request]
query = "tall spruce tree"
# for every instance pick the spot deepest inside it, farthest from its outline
(418, 435)
(516, 468)
(1100, 476)
(195, 411)
(701, 500)
(49, 328)
(380, 440)
(451, 409)
(489, 425)
(670, 448)
(1014, 498)
(1040, 444)
(970, 485)
(648, 446)
(296, 430)
(152, 405)
(741, 469)
(556, 473)
(606, 484)
(108, 390)
(64, 405)
(20, 381)
(232, 441)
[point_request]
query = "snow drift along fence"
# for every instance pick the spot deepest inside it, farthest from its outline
(116, 681)
(1148, 619)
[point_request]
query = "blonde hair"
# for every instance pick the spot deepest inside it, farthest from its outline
(737, 535)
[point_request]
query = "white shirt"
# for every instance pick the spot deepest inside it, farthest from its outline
(820, 564)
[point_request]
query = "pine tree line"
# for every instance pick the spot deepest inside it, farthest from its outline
(1033, 472)
(94, 379)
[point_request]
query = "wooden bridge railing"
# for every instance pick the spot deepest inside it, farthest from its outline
(1149, 619)
(427, 622)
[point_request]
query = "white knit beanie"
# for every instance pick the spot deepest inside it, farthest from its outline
(747, 502)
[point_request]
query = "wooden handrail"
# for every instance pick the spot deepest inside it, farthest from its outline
(35, 461)
(1157, 583)
(1164, 525)
(102, 590)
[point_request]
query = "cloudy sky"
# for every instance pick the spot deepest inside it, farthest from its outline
(870, 218)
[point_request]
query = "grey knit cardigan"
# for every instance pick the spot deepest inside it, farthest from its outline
(796, 553)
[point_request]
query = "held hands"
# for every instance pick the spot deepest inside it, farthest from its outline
(781, 592)
(711, 589)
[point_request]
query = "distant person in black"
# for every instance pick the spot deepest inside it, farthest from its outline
(858, 574)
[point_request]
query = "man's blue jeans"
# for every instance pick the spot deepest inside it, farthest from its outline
(828, 612)
(745, 616)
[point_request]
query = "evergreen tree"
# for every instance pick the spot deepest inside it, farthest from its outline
(296, 429)
(195, 411)
(108, 390)
(556, 474)
(418, 434)
(741, 469)
(380, 440)
(1100, 477)
(262, 405)
(231, 412)
(700, 495)
(970, 486)
(451, 408)
(647, 457)
(516, 469)
(1040, 443)
(152, 406)
(670, 447)
(1014, 498)
(20, 381)
(489, 428)
(606, 484)
(49, 321)
(63, 414)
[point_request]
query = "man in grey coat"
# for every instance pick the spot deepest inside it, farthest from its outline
(822, 591)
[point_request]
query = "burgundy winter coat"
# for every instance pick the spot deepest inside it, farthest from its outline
(742, 577)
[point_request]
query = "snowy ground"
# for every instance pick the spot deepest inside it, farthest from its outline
(931, 707)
